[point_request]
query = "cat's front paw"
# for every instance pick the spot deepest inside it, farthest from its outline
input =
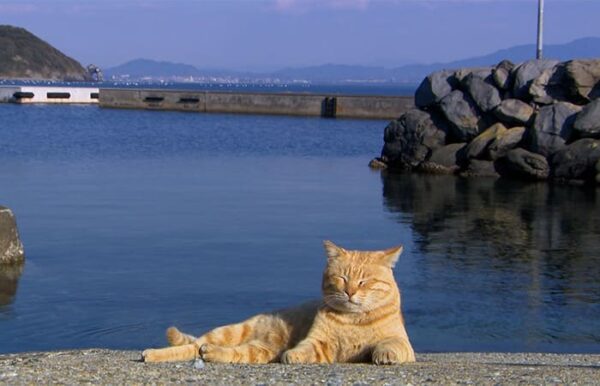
(392, 357)
(293, 357)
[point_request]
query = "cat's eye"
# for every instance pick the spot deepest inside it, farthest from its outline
(342, 278)
(362, 282)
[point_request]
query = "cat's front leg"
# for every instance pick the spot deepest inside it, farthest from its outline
(309, 351)
(393, 351)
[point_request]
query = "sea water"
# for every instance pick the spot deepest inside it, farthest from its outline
(133, 221)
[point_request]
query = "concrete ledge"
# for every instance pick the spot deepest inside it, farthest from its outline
(342, 106)
(122, 367)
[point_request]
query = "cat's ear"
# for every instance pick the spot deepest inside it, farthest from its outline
(333, 251)
(389, 257)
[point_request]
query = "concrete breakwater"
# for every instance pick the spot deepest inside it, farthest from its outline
(538, 120)
(341, 106)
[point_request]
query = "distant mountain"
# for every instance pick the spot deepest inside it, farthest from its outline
(578, 49)
(335, 73)
(25, 56)
(140, 68)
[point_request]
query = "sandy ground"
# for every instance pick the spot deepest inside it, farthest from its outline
(98, 366)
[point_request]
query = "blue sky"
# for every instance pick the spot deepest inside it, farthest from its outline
(270, 34)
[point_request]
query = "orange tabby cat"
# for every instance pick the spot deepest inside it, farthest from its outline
(358, 320)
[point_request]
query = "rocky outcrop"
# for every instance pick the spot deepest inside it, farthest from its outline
(11, 248)
(535, 120)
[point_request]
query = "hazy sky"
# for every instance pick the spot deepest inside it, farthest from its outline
(269, 34)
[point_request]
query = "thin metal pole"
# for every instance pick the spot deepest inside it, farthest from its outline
(540, 30)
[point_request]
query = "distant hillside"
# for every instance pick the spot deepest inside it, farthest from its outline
(25, 56)
(336, 73)
(140, 68)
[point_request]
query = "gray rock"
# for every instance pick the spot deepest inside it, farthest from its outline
(411, 139)
(520, 163)
(552, 128)
(514, 112)
(480, 168)
(11, 248)
(434, 88)
(9, 282)
(583, 79)
(481, 72)
(445, 160)
(462, 112)
(549, 86)
(508, 140)
(526, 72)
(478, 146)
(485, 95)
(502, 74)
(577, 161)
(587, 123)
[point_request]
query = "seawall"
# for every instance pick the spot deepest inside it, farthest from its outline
(340, 106)
(48, 94)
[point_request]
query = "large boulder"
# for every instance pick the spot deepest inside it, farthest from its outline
(502, 75)
(11, 248)
(480, 168)
(462, 112)
(9, 282)
(587, 123)
(478, 146)
(577, 161)
(482, 72)
(411, 139)
(549, 86)
(522, 164)
(506, 141)
(583, 79)
(514, 112)
(434, 88)
(526, 72)
(445, 160)
(552, 128)
(485, 95)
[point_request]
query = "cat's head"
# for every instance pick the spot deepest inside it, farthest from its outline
(359, 281)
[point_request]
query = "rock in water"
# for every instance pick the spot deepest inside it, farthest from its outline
(552, 127)
(478, 146)
(410, 139)
(483, 93)
(587, 123)
(433, 89)
(526, 72)
(577, 161)
(583, 77)
(445, 160)
(523, 164)
(514, 112)
(506, 141)
(11, 248)
(501, 74)
(462, 112)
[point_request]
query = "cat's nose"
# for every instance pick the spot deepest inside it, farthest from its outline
(350, 292)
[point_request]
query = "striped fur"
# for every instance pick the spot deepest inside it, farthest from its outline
(358, 320)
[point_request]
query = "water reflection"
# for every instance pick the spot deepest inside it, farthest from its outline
(9, 281)
(509, 264)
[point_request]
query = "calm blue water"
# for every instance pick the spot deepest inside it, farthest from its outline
(136, 220)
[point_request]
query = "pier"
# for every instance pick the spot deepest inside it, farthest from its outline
(48, 94)
(303, 104)
(341, 106)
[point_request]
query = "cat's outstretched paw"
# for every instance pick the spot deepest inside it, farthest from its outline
(291, 357)
(216, 354)
(391, 357)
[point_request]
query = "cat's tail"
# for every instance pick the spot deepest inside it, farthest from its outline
(178, 338)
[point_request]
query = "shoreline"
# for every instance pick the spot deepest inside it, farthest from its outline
(124, 367)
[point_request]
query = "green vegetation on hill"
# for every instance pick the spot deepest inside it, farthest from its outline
(25, 56)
